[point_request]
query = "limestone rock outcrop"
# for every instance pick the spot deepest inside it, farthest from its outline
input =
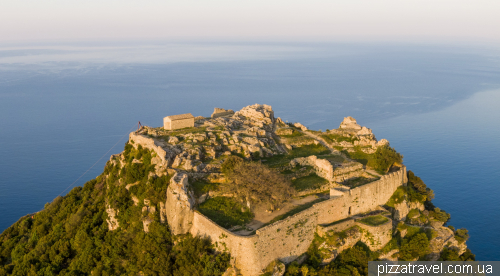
(258, 113)
(111, 220)
(180, 204)
(350, 123)
(301, 126)
(402, 209)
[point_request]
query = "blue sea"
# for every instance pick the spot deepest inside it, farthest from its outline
(63, 108)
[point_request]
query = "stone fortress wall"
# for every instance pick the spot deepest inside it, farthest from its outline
(289, 238)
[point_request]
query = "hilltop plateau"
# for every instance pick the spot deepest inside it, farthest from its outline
(238, 193)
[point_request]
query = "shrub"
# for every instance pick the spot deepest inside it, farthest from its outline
(311, 181)
(440, 215)
(420, 186)
(414, 247)
(461, 235)
(230, 163)
(384, 158)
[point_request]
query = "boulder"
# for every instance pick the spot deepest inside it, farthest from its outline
(180, 204)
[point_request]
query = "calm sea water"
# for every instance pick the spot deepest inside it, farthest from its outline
(63, 107)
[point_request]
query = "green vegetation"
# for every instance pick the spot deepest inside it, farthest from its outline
(415, 247)
(201, 187)
(405, 192)
(309, 182)
(226, 211)
(337, 138)
(352, 261)
(297, 137)
(439, 215)
(303, 151)
(391, 245)
(420, 186)
(192, 130)
(451, 254)
(384, 158)
(70, 237)
(461, 235)
(359, 155)
(410, 230)
(374, 220)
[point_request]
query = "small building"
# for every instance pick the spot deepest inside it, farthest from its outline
(178, 121)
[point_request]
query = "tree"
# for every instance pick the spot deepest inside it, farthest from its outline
(415, 247)
(254, 182)
(419, 185)
(384, 158)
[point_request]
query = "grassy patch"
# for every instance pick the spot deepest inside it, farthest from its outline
(374, 220)
(333, 158)
(186, 131)
(201, 187)
(331, 138)
(226, 211)
(411, 230)
(297, 137)
(397, 197)
(358, 181)
(359, 155)
(307, 150)
(414, 213)
(296, 210)
(311, 181)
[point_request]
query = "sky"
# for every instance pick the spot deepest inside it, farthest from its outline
(330, 20)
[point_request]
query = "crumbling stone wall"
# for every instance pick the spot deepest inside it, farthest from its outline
(326, 170)
(375, 237)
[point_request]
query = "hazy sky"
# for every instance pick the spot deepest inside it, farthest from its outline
(385, 20)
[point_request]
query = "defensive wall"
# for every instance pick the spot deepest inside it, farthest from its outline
(289, 238)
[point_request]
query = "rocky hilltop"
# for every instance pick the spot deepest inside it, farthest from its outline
(273, 196)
